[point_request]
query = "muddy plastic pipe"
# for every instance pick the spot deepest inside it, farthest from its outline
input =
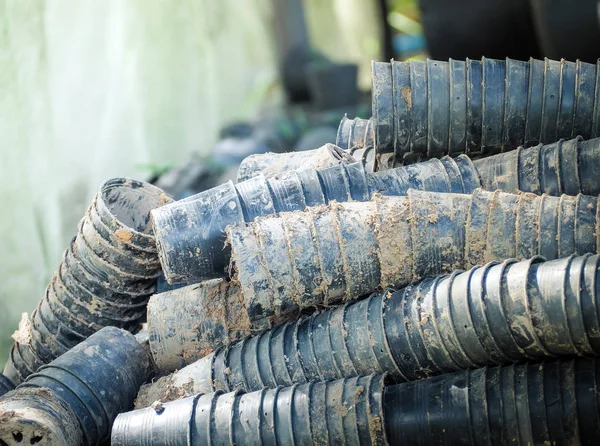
(193, 228)
(105, 278)
(38, 417)
(190, 233)
(481, 107)
(513, 311)
(342, 251)
(565, 167)
(270, 164)
(96, 380)
(186, 323)
(536, 403)
(355, 133)
(347, 411)
(6, 385)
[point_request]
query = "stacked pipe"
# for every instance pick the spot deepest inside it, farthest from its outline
(339, 300)
(105, 278)
(194, 228)
(435, 108)
(494, 314)
(6, 384)
(538, 403)
(74, 400)
(355, 133)
(273, 163)
(338, 252)
(327, 255)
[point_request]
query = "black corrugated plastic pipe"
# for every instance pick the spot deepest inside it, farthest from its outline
(493, 314)
(39, 417)
(347, 411)
(193, 228)
(95, 381)
(342, 251)
(355, 133)
(357, 136)
(105, 279)
(531, 404)
(565, 167)
(6, 384)
(539, 403)
(481, 107)
(270, 164)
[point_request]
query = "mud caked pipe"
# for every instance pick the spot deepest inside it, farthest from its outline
(494, 314)
(37, 417)
(340, 412)
(190, 233)
(536, 403)
(188, 323)
(193, 228)
(435, 108)
(565, 167)
(105, 278)
(270, 164)
(355, 133)
(96, 380)
(342, 251)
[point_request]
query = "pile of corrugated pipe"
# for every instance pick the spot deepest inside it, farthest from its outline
(432, 279)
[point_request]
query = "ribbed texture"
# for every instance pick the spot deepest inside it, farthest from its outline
(435, 108)
(194, 228)
(190, 232)
(270, 164)
(105, 279)
(37, 416)
(187, 323)
(98, 379)
(550, 403)
(346, 250)
(493, 314)
(355, 133)
(6, 385)
(456, 175)
(348, 411)
(565, 167)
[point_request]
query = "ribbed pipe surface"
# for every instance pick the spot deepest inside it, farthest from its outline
(494, 314)
(425, 109)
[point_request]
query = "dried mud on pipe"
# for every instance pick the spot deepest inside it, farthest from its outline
(185, 324)
(37, 416)
(563, 167)
(188, 323)
(273, 163)
(347, 411)
(499, 313)
(342, 251)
